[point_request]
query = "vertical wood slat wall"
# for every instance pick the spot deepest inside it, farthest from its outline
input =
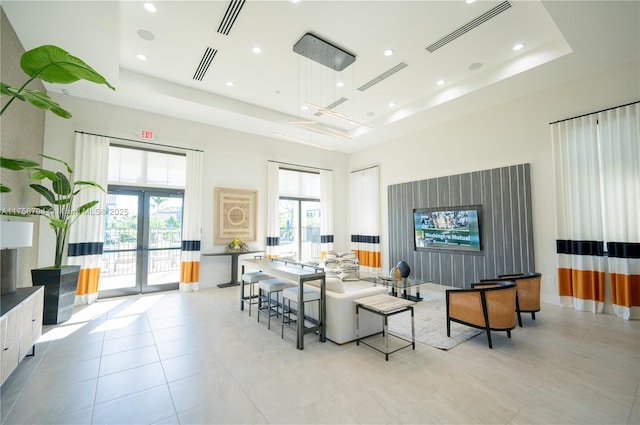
(506, 225)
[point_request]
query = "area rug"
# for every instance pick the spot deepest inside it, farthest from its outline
(431, 322)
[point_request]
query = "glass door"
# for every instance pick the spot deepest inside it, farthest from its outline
(300, 228)
(143, 233)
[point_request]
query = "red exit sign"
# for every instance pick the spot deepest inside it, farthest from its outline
(146, 134)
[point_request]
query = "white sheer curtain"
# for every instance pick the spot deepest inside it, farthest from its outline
(597, 170)
(326, 212)
(365, 218)
(192, 223)
(620, 152)
(86, 237)
(273, 210)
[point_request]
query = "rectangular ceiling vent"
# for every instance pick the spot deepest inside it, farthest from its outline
(382, 76)
(333, 105)
(206, 60)
(469, 26)
(230, 16)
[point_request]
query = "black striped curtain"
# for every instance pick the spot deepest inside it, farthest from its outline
(597, 173)
(86, 237)
(365, 218)
(192, 224)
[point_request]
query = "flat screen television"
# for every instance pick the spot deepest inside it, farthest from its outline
(448, 228)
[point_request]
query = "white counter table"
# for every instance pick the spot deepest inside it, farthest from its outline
(298, 273)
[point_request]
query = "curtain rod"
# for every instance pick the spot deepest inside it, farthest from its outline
(592, 113)
(139, 141)
(365, 168)
(298, 165)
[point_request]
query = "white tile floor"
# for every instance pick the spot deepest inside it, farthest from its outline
(196, 358)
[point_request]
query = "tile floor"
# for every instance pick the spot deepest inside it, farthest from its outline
(195, 358)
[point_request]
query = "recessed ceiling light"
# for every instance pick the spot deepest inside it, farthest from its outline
(392, 104)
(440, 82)
(146, 35)
(340, 84)
(141, 57)
(305, 107)
(518, 46)
(66, 92)
(295, 1)
(256, 49)
(150, 7)
(229, 83)
(474, 66)
(388, 52)
(470, 1)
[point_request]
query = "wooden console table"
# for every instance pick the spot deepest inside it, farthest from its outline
(234, 265)
(300, 273)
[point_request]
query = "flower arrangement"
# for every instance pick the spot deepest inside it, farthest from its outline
(236, 245)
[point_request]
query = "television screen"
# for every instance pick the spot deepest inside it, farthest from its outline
(450, 228)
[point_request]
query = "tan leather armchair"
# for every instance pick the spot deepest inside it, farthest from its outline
(491, 307)
(528, 299)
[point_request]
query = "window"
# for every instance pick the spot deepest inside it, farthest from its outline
(299, 214)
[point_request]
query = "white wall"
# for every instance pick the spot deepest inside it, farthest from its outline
(232, 159)
(506, 134)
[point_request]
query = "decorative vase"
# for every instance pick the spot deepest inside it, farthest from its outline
(404, 268)
(394, 273)
(59, 291)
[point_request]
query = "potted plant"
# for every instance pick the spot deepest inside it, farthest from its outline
(54, 65)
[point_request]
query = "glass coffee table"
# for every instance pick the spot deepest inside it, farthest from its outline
(399, 288)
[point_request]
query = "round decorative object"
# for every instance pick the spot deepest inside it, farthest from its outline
(404, 268)
(394, 273)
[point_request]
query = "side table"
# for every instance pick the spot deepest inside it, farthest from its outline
(385, 306)
(234, 265)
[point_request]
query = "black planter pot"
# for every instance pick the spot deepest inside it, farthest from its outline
(59, 292)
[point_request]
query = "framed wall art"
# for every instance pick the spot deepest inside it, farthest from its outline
(234, 215)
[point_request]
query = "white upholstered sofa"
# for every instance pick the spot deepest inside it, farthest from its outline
(341, 311)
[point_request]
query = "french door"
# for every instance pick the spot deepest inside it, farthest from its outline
(143, 234)
(300, 228)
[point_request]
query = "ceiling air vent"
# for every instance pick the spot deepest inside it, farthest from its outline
(333, 105)
(206, 60)
(382, 76)
(469, 26)
(230, 16)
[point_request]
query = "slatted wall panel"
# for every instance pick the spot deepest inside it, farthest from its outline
(506, 225)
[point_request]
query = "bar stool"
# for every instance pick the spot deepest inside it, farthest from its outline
(270, 286)
(251, 279)
(291, 294)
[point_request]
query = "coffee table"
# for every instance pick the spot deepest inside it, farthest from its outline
(385, 305)
(399, 288)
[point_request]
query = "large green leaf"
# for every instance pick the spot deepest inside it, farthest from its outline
(48, 195)
(56, 223)
(42, 101)
(54, 65)
(44, 174)
(89, 183)
(17, 163)
(4, 189)
(61, 186)
(69, 170)
(84, 208)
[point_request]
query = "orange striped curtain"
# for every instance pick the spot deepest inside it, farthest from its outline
(326, 212)
(191, 224)
(86, 237)
(365, 218)
(597, 173)
(619, 131)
